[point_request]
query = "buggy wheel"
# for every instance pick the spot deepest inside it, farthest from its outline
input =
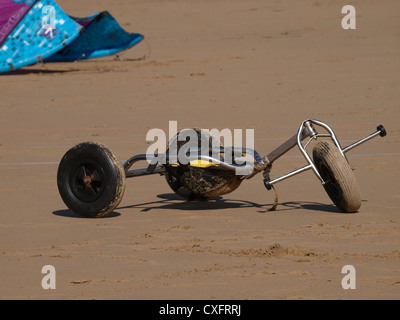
(172, 173)
(178, 187)
(196, 183)
(340, 181)
(91, 180)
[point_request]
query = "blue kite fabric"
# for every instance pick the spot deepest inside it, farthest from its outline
(27, 38)
(102, 36)
(34, 31)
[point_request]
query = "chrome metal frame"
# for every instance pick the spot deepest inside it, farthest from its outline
(261, 164)
(308, 126)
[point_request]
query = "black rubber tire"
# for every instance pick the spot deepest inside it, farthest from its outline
(174, 174)
(177, 186)
(91, 180)
(341, 184)
(193, 183)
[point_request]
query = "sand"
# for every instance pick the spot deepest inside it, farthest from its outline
(264, 65)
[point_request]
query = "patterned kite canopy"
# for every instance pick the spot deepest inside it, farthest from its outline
(34, 31)
(31, 31)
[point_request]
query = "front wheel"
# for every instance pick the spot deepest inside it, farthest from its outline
(340, 182)
(91, 180)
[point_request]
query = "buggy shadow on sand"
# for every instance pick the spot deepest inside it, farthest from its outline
(91, 180)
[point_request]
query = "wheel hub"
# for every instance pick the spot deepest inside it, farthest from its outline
(87, 181)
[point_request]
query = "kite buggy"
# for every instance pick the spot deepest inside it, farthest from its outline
(91, 180)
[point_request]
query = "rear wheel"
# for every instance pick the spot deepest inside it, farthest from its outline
(340, 182)
(91, 180)
(196, 183)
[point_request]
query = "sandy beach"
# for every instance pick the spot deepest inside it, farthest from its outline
(262, 65)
